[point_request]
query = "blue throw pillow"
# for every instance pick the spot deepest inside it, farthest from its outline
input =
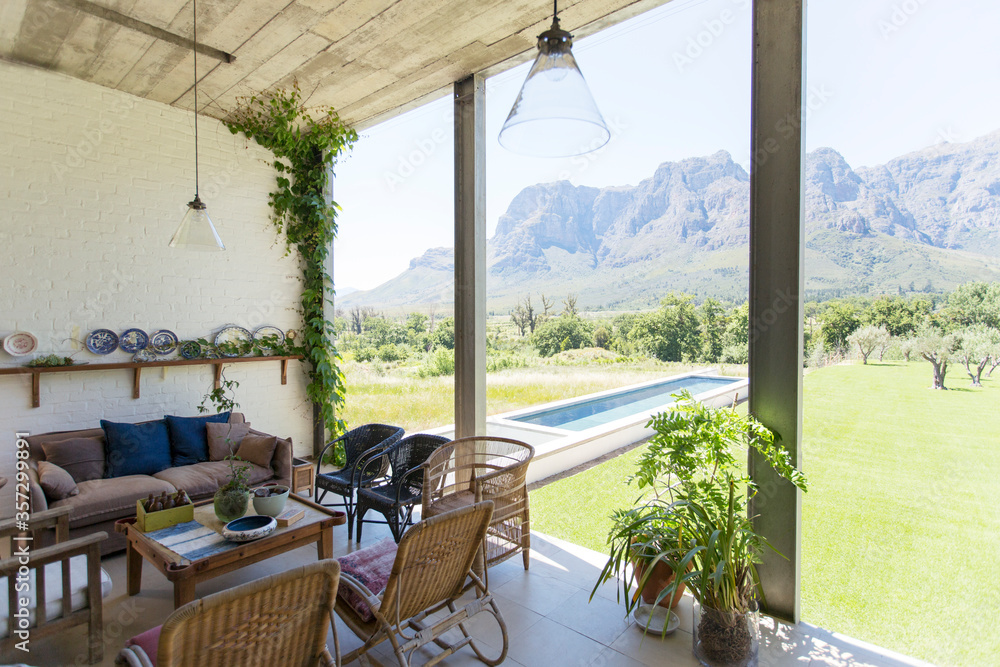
(136, 449)
(188, 439)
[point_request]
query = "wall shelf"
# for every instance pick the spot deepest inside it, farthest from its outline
(136, 367)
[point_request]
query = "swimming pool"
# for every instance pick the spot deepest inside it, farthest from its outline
(583, 414)
(573, 431)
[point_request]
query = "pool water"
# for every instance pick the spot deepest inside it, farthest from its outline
(605, 409)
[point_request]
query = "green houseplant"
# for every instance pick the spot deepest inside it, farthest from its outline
(232, 498)
(694, 517)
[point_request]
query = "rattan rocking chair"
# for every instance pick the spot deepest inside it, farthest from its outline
(282, 620)
(470, 470)
(429, 574)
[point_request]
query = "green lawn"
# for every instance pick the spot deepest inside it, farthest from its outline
(901, 525)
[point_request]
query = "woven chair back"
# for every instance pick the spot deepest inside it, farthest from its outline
(359, 440)
(278, 620)
(433, 560)
(412, 452)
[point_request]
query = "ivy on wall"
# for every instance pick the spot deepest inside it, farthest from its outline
(305, 148)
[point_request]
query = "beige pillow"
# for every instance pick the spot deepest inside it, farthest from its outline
(82, 458)
(258, 449)
(217, 434)
(55, 482)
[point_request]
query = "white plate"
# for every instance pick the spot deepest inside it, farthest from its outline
(233, 334)
(20, 344)
(655, 622)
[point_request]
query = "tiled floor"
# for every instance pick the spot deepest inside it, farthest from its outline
(551, 619)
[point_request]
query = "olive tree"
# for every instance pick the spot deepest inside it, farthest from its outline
(937, 348)
(975, 346)
(868, 339)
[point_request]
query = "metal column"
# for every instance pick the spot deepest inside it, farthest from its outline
(470, 257)
(776, 283)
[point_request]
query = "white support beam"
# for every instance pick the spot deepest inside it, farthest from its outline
(776, 284)
(470, 257)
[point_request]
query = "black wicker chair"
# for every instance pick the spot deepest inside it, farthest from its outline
(360, 445)
(395, 496)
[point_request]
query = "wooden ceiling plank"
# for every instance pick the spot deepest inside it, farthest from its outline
(11, 18)
(43, 29)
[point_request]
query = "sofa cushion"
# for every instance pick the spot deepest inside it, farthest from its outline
(217, 435)
(204, 479)
(82, 458)
(258, 449)
(55, 482)
(136, 449)
(104, 500)
(188, 443)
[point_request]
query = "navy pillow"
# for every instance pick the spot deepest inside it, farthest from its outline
(136, 449)
(188, 439)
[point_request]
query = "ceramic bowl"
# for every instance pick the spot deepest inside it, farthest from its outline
(273, 504)
(249, 528)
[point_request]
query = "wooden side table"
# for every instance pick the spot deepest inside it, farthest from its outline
(303, 475)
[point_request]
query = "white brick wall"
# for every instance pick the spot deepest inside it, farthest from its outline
(94, 183)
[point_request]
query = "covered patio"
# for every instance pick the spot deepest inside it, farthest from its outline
(98, 167)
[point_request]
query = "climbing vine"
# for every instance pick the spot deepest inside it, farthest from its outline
(305, 148)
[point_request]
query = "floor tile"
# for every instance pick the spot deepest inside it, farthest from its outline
(549, 644)
(599, 619)
(538, 593)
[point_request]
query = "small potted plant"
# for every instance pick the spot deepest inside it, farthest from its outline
(697, 522)
(232, 499)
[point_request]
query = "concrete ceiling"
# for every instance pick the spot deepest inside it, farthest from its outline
(368, 58)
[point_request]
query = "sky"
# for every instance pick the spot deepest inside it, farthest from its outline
(884, 77)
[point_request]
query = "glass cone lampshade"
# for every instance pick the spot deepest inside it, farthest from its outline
(554, 115)
(196, 231)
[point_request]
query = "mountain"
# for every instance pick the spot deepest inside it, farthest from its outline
(928, 220)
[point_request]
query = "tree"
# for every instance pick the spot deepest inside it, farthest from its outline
(358, 315)
(936, 348)
(736, 339)
(975, 346)
(713, 327)
(867, 339)
(416, 322)
(974, 303)
(523, 316)
(566, 332)
(896, 315)
(444, 333)
(670, 333)
(569, 305)
(839, 321)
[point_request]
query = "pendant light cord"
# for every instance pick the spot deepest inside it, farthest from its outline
(195, 50)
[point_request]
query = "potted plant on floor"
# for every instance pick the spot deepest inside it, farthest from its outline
(697, 522)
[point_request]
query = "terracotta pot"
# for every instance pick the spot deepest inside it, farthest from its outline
(659, 578)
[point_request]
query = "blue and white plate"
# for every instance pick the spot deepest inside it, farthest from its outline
(102, 341)
(210, 354)
(190, 350)
(268, 331)
(143, 356)
(133, 340)
(163, 341)
(235, 335)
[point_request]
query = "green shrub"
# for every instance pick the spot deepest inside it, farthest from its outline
(440, 362)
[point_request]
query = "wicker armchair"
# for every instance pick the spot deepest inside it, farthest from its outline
(282, 620)
(360, 444)
(428, 579)
(470, 470)
(66, 576)
(395, 497)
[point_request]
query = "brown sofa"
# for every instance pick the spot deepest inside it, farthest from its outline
(101, 502)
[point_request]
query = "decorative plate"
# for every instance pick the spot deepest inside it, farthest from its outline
(210, 354)
(233, 335)
(163, 341)
(20, 343)
(653, 618)
(190, 349)
(133, 340)
(260, 333)
(249, 528)
(102, 341)
(143, 356)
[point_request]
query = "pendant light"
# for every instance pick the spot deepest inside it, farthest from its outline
(554, 115)
(196, 231)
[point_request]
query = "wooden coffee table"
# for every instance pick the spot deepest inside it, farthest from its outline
(316, 526)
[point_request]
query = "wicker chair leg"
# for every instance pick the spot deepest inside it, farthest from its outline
(360, 511)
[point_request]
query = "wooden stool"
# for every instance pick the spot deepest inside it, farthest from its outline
(303, 476)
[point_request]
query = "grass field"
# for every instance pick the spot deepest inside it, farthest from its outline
(901, 525)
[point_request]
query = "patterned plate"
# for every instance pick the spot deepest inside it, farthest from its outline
(210, 354)
(190, 349)
(102, 341)
(163, 341)
(20, 343)
(133, 340)
(143, 356)
(260, 333)
(234, 335)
